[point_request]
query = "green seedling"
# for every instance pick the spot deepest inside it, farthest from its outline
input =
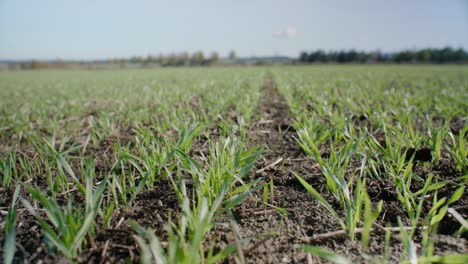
(409, 248)
(9, 247)
(185, 238)
(459, 151)
(66, 227)
(326, 255)
(8, 169)
(228, 163)
(353, 208)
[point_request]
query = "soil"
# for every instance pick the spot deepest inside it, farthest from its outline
(269, 235)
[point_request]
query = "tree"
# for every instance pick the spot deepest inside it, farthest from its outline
(374, 56)
(214, 58)
(461, 55)
(232, 55)
(136, 60)
(184, 58)
(198, 58)
(424, 55)
(303, 56)
(172, 59)
(151, 59)
(405, 56)
(444, 55)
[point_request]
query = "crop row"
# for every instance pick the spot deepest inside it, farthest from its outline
(399, 128)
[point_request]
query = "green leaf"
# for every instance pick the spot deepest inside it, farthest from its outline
(85, 227)
(51, 208)
(9, 248)
(326, 255)
(66, 166)
(438, 217)
(432, 187)
(235, 200)
(279, 209)
(437, 205)
(456, 195)
(10, 230)
(319, 197)
(265, 193)
(54, 238)
(152, 252)
(446, 259)
(223, 254)
(140, 186)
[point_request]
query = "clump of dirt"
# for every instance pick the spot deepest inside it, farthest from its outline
(457, 124)
(381, 189)
(422, 154)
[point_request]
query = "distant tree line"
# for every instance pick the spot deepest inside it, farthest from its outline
(197, 58)
(444, 55)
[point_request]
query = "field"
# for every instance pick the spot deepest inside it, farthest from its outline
(293, 164)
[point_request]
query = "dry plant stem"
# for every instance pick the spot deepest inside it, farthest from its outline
(67, 192)
(106, 246)
(25, 253)
(34, 255)
(256, 245)
(271, 211)
(92, 242)
(265, 122)
(119, 223)
(356, 231)
(240, 252)
(309, 259)
(384, 229)
(270, 166)
(458, 216)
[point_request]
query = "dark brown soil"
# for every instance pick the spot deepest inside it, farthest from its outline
(423, 154)
(456, 124)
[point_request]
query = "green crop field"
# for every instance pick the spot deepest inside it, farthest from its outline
(285, 164)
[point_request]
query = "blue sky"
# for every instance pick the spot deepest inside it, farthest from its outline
(87, 29)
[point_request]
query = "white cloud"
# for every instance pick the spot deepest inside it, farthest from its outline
(289, 32)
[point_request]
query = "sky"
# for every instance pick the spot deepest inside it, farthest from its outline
(94, 29)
